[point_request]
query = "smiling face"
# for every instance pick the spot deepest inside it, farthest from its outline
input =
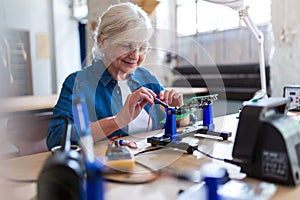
(122, 59)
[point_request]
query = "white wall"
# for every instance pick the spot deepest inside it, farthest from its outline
(31, 15)
(66, 42)
(163, 42)
(286, 58)
(37, 17)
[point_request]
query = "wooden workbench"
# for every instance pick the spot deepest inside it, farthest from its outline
(165, 187)
(23, 104)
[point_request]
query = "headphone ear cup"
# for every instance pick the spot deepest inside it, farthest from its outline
(62, 177)
(60, 183)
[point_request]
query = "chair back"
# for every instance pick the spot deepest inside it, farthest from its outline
(28, 132)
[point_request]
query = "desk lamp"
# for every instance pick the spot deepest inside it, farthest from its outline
(243, 14)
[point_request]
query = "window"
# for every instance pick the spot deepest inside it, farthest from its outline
(200, 16)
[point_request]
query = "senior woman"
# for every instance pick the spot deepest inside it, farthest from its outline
(119, 92)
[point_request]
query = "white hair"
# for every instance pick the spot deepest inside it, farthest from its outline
(123, 22)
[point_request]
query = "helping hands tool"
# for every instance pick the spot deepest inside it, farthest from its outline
(172, 138)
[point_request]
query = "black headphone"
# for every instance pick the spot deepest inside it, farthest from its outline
(62, 176)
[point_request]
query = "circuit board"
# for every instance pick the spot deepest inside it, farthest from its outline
(199, 101)
(194, 102)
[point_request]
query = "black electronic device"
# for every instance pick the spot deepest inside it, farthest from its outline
(62, 176)
(267, 143)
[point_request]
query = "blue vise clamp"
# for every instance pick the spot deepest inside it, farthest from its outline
(170, 126)
(170, 137)
(208, 117)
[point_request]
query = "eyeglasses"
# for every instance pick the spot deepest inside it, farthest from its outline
(130, 48)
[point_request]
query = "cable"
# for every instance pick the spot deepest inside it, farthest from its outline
(148, 150)
(20, 180)
(208, 155)
(155, 176)
(149, 120)
(231, 161)
(156, 173)
(193, 148)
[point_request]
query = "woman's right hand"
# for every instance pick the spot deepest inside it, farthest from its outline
(134, 104)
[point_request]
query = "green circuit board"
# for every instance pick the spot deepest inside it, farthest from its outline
(199, 101)
(194, 102)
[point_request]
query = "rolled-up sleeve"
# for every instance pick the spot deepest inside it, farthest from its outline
(63, 108)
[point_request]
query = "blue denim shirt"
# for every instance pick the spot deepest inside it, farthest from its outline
(103, 98)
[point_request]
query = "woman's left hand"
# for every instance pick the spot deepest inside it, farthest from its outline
(175, 99)
(171, 97)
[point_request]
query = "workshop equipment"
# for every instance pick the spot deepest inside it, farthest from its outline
(172, 138)
(267, 144)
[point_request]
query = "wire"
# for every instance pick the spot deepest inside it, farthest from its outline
(208, 155)
(20, 180)
(153, 178)
(149, 120)
(148, 150)
(191, 147)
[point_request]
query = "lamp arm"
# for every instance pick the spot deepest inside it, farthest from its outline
(260, 39)
(249, 23)
(262, 66)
